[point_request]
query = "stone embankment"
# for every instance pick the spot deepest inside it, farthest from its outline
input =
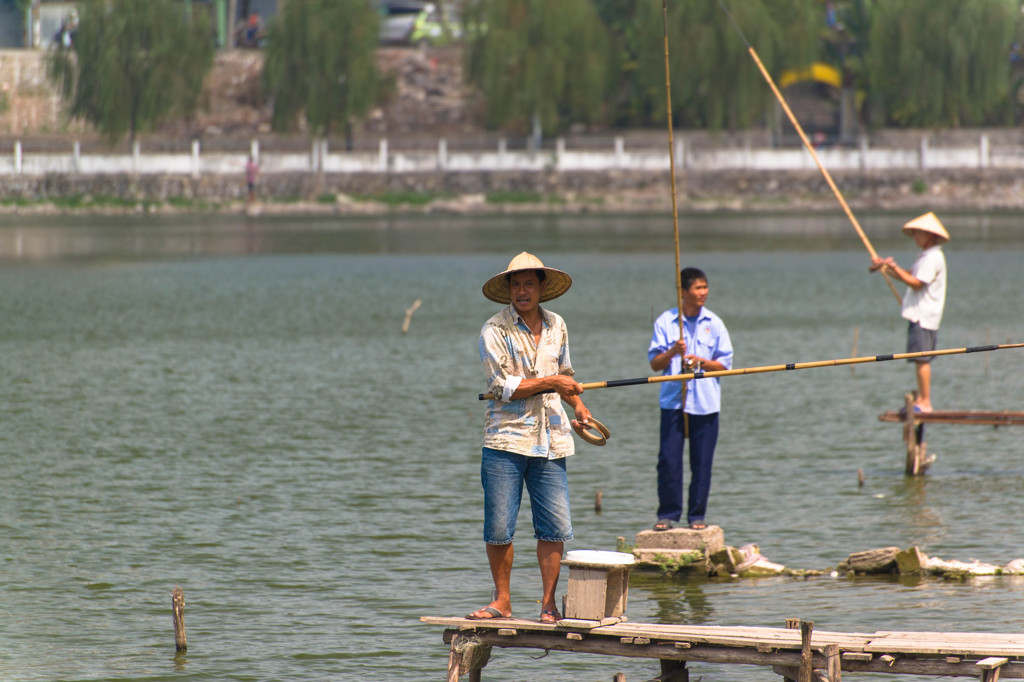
(504, 192)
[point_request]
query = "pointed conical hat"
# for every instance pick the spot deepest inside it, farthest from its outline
(558, 282)
(928, 223)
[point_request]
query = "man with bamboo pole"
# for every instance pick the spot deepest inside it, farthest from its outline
(527, 436)
(705, 345)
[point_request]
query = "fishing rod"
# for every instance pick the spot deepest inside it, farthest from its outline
(781, 368)
(810, 148)
(675, 210)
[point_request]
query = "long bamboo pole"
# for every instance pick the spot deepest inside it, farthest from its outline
(810, 148)
(675, 210)
(786, 367)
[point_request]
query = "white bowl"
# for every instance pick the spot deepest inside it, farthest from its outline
(599, 558)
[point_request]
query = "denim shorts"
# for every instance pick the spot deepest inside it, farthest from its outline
(920, 340)
(503, 474)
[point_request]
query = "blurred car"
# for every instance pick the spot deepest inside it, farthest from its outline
(433, 28)
(397, 18)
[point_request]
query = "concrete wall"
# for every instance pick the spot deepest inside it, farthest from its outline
(319, 157)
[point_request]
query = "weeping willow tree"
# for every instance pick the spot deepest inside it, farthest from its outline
(715, 83)
(134, 65)
(538, 63)
(321, 62)
(941, 62)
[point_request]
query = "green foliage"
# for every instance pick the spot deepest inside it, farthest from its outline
(941, 62)
(538, 58)
(321, 61)
(514, 197)
(715, 83)
(403, 197)
(134, 64)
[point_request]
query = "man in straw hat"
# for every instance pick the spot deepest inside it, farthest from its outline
(925, 297)
(525, 350)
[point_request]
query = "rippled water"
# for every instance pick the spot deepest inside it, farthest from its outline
(232, 407)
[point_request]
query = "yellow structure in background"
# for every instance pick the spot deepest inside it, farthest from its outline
(818, 71)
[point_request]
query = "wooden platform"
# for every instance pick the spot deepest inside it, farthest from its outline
(1005, 418)
(823, 654)
(918, 459)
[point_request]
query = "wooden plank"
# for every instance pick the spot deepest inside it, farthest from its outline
(979, 418)
(863, 650)
(992, 662)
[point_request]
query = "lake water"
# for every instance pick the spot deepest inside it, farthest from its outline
(231, 406)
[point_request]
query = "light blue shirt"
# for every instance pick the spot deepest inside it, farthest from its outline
(707, 338)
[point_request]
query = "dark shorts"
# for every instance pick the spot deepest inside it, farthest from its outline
(920, 340)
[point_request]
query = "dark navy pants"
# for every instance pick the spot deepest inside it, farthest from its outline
(703, 438)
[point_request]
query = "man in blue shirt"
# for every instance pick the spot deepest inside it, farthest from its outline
(705, 346)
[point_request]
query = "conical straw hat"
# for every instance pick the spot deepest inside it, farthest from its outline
(928, 223)
(496, 288)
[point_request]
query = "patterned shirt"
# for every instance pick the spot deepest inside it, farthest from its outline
(536, 426)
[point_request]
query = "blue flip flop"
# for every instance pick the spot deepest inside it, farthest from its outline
(494, 614)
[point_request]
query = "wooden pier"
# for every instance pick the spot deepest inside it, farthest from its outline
(797, 652)
(918, 459)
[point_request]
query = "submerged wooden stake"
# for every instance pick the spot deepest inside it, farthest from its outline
(408, 315)
(178, 607)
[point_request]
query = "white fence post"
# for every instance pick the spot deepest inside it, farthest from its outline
(983, 152)
(619, 151)
(17, 157)
(136, 154)
(76, 155)
(559, 152)
(863, 152)
(442, 154)
(254, 149)
(502, 149)
(680, 152)
(195, 158)
(923, 154)
(382, 161)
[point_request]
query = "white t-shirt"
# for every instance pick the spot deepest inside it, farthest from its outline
(925, 305)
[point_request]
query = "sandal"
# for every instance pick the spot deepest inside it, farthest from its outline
(663, 524)
(550, 616)
(698, 525)
(492, 614)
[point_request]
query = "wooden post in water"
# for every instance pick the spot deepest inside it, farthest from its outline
(673, 670)
(178, 608)
(789, 674)
(806, 663)
(833, 663)
(913, 434)
(597, 500)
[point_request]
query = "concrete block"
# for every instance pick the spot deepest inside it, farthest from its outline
(710, 540)
(660, 556)
(911, 560)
